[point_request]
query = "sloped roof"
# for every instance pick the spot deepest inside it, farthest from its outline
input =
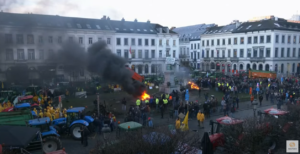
(52, 21)
(270, 24)
(221, 29)
(192, 32)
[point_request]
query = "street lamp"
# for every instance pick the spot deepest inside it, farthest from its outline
(254, 105)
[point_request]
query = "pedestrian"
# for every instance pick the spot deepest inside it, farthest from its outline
(124, 104)
(251, 99)
(161, 106)
(200, 119)
(260, 99)
(85, 136)
(177, 123)
(81, 133)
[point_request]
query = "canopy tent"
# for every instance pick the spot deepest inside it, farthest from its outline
(228, 121)
(273, 111)
(17, 136)
(130, 126)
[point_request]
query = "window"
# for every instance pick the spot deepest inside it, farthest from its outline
(282, 52)
(132, 41)
(229, 53)
(288, 52)
(146, 54)
(20, 39)
(80, 40)
(198, 45)
(235, 41)
(31, 54)
(168, 53)
(229, 41)
(119, 53)
(174, 53)
(277, 39)
(152, 53)
(198, 54)
(241, 53)
(203, 43)
(140, 54)
(249, 40)
(160, 53)
(50, 39)
(20, 54)
(41, 39)
(195, 46)
(9, 54)
(191, 46)
(30, 39)
(59, 40)
(249, 52)
(212, 42)
(242, 40)
(125, 41)
(289, 39)
(41, 54)
(223, 42)
(118, 41)
(218, 41)
(108, 41)
(294, 40)
(268, 38)
(234, 53)
(90, 40)
(207, 53)
(294, 52)
(160, 42)
(132, 53)
(8, 38)
(261, 52)
(153, 42)
(192, 55)
(146, 42)
(218, 53)
(223, 53)
(126, 54)
(254, 52)
(268, 52)
(167, 42)
(174, 42)
(211, 53)
(139, 42)
(282, 39)
(207, 42)
(276, 52)
(255, 39)
(262, 39)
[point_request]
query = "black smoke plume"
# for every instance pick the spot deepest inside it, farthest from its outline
(111, 67)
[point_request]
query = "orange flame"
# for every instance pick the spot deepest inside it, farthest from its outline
(193, 85)
(145, 96)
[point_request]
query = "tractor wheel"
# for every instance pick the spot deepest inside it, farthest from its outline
(75, 131)
(51, 143)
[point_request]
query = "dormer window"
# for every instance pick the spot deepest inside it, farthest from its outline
(131, 29)
(78, 26)
(258, 25)
(145, 30)
(138, 29)
(98, 27)
(151, 30)
(88, 26)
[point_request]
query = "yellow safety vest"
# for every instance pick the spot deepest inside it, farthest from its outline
(157, 100)
(146, 101)
(219, 84)
(227, 84)
(165, 101)
(138, 102)
(268, 85)
(260, 82)
(229, 87)
(167, 96)
(222, 84)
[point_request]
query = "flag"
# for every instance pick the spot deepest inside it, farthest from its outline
(185, 121)
(130, 50)
(5, 100)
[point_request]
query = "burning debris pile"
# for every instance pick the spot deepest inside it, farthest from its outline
(102, 61)
(193, 85)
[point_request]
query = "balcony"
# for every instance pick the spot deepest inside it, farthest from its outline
(206, 59)
(220, 59)
(234, 59)
(257, 59)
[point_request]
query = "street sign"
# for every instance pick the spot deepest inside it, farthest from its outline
(170, 60)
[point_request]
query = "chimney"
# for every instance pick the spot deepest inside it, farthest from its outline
(148, 22)
(104, 18)
(135, 20)
(237, 23)
(108, 18)
(123, 19)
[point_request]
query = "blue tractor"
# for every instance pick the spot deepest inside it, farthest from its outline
(50, 137)
(75, 119)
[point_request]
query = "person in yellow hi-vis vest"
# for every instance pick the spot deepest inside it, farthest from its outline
(48, 114)
(56, 114)
(138, 102)
(41, 114)
(35, 111)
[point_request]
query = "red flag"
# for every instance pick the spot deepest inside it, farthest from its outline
(130, 50)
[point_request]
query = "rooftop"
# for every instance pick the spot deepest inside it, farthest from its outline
(221, 29)
(55, 21)
(192, 32)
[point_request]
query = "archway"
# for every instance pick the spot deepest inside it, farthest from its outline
(260, 67)
(267, 67)
(146, 69)
(241, 67)
(234, 67)
(212, 65)
(254, 67)
(218, 67)
(248, 66)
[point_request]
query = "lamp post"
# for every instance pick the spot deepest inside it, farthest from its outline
(254, 105)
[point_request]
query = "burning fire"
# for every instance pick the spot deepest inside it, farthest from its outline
(145, 96)
(193, 85)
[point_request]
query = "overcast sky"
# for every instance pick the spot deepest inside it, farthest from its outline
(165, 12)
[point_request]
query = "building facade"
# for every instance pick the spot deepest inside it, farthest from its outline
(268, 45)
(29, 41)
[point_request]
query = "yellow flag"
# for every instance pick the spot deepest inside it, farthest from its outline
(185, 121)
(2, 85)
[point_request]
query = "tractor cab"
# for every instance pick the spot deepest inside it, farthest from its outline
(75, 119)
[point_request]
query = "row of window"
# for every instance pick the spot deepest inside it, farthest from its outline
(146, 54)
(140, 42)
(256, 52)
(155, 68)
(20, 39)
(31, 54)
(195, 46)
(250, 40)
